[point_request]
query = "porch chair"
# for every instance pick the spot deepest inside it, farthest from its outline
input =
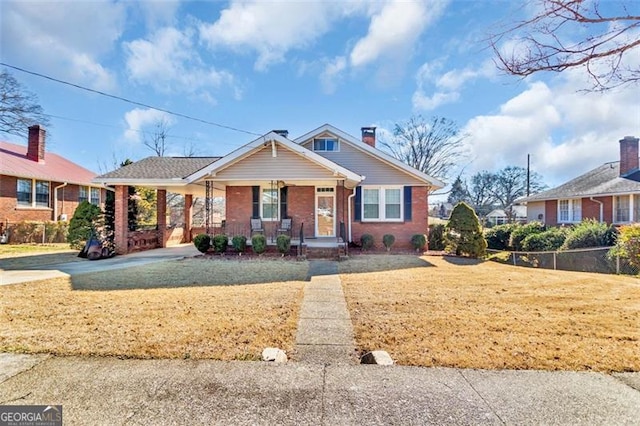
(256, 226)
(285, 226)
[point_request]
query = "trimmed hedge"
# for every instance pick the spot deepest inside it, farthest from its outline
(367, 241)
(202, 242)
(388, 240)
(220, 243)
(283, 243)
(258, 243)
(239, 243)
(418, 241)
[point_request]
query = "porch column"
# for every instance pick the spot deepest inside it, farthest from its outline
(161, 216)
(188, 216)
(121, 226)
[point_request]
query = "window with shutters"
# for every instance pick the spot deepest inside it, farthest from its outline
(382, 203)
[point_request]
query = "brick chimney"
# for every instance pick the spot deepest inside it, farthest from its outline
(369, 136)
(283, 133)
(35, 149)
(628, 155)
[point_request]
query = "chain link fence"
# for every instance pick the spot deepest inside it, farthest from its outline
(580, 260)
(27, 231)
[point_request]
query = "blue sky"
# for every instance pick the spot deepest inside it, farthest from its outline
(262, 65)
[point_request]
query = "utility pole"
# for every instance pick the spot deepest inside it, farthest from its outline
(528, 173)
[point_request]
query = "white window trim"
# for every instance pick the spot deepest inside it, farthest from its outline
(571, 210)
(33, 204)
(270, 219)
(381, 203)
(313, 144)
(630, 210)
(325, 191)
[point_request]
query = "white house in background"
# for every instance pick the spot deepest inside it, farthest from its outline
(500, 217)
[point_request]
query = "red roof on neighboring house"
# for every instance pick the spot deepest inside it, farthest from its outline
(14, 162)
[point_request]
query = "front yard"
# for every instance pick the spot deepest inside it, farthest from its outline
(458, 313)
(195, 308)
(427, 311)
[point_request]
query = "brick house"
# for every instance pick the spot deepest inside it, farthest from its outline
(37, 185)
(609, 193)
(333, 187)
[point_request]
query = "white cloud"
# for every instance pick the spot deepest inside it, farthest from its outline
(270, 29)
(139, 119)
(48, 36)
(444, 88)
(394, 30)
(168, 61)
(332, 72)
(159, 12)
(566, 132)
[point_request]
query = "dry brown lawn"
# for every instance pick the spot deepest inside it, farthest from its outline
(195, 308)
(434, 311)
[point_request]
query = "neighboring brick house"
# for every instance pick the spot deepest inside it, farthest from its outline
(338, 186)
(37, 185)
(609, 193)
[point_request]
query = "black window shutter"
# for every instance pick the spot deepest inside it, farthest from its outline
(283, 202)
(255, 192)
(358, 204)
(407, 203)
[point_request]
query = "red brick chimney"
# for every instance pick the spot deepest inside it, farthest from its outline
(35, 149)
(628, 155)
(369, 136)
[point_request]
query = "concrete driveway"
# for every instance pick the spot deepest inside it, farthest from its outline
(76, 268)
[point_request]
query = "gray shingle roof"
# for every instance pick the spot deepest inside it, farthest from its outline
(160, 168)
(603, 180)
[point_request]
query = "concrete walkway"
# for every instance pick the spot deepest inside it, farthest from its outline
(88, 266)
(325, 333)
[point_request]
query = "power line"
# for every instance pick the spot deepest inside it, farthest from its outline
(177, 114)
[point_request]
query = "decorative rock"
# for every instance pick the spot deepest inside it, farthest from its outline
(376, 357)
(274, 354)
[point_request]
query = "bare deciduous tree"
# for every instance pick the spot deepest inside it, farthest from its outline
(158, 140)
(19, 108)
(434, 147)
(564, 34)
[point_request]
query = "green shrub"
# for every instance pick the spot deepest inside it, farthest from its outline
(202, 242)
(520, 232)
(367, 241)
(436, 237)
(283, 242)
(590, 233)
(549, 240)
(418, 241)
(239, 243)
(258, 243)
(388, 240)
(628, 246)
(86, 220)
(498, 236)
(464, 233)
(220, 243)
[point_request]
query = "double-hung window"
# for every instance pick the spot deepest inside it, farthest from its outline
(42, 193)
(83, 194)
(382, 203)
(622, 208)
(32, 193)
(326, 144)
(569, 211)
(25, 193)
(95, 196)
(269, 204)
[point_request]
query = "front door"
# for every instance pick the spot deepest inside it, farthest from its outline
(325, 212)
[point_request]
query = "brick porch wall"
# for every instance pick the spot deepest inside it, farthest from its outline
(300, 207)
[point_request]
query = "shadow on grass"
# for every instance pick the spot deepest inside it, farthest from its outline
(462, 261)
(381, 263)
(193, 272)
(39, 261)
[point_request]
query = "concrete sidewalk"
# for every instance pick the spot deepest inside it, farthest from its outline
(109, 391)
(88, 266)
